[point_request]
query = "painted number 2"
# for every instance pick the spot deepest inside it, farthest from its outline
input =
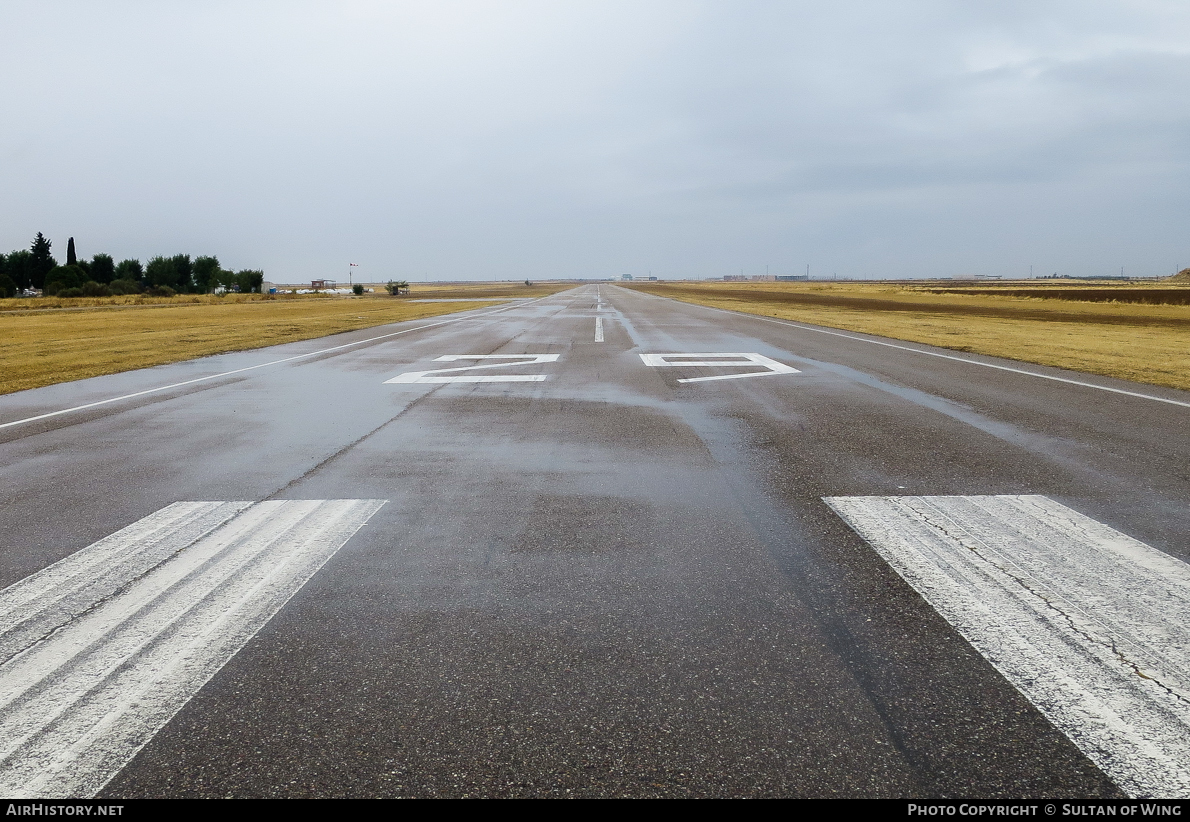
(441, 375)
(718, 360)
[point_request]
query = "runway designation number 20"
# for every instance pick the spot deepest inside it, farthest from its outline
(718, 360)
(443, 375)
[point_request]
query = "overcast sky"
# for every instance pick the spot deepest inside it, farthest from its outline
(499, 140)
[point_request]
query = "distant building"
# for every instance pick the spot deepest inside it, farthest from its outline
(763, 278)
(625, 276)
(734, 278)
(791, 277)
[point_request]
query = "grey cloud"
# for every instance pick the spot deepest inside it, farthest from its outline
(475, 139)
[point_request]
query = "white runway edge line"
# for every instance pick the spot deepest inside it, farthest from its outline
(936, 354)
(103, 648)
(262, 365)
(1092, 626)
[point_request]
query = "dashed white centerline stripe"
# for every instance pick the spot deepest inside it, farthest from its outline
(1088, 623)
(599, 329)
(161, 388)
(95, 661)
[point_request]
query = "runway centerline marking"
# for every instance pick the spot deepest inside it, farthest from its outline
(683, 360)
(101, 649)
(599, 329)
(1088, 623)
(161, 388)
(412, 377)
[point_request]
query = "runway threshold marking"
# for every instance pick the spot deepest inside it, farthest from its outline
(683, 360)
(410, 377)
(319, 352)
(100, 650)
(1092, 626)
(599, 329)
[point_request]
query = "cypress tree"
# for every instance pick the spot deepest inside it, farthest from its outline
(71, 259)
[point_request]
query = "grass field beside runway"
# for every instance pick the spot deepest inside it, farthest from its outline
(1143, 342)
(51, 340)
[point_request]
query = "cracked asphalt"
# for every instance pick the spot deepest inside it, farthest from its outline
(605, 583)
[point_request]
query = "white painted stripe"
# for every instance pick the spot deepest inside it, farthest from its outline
(415, 377)
(1050, 377)
(195, 582)
(39, 604)
(161, 388)
(683, 360)
(529, 359)
(1089, 624)
(599, 328)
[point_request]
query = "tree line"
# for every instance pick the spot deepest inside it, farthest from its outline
(102, 276)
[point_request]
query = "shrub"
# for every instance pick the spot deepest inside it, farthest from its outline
(125, 287)
(161, 291)
(70, 292)
(63, 277)
(357, 290)
(94, 289)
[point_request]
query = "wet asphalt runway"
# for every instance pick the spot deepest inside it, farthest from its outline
(606, 582)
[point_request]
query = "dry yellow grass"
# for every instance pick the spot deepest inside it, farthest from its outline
(48, 341)
(1139, 342)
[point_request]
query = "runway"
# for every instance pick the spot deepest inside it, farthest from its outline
(596, 544)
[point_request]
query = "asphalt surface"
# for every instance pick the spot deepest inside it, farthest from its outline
(607, 582)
